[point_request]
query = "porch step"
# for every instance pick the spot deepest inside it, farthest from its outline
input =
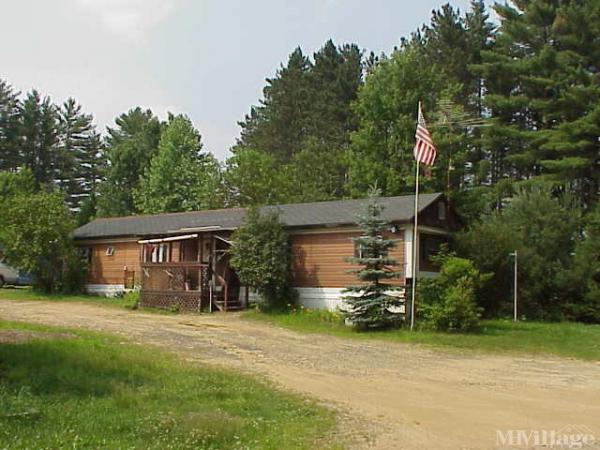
(232, 305)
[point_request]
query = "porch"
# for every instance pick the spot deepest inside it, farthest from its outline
(189, 273)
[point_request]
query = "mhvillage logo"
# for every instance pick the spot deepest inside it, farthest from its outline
(568, 437)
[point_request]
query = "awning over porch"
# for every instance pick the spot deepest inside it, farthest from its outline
(168, 239)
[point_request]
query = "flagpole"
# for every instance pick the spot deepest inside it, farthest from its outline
(415, 239)
(424, 152)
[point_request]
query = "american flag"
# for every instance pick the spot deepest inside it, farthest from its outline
(424, 149)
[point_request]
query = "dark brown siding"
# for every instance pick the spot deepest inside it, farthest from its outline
(430, 216)
(319, 259)
(106, 269)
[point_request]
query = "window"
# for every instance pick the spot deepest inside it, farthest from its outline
(430, 246)
(157, 253)
(206, 250)
(110, 251)
(358, 250)
(442, 210)
(86, 254)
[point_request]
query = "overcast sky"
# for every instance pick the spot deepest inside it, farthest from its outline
(206, 58)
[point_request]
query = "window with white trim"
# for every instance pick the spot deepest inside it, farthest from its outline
(157, 253)
(358, 250)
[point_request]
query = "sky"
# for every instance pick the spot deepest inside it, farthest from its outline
(205, 58)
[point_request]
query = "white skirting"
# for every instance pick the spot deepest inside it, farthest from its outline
(321, 298)
(313, 297)
(330, 298)
(108, 290)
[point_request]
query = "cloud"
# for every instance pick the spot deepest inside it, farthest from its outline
(132, 20)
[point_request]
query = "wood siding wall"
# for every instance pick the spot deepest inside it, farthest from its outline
(104, 269)
(318, 259)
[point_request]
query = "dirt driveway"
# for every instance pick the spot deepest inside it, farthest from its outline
(390, 395)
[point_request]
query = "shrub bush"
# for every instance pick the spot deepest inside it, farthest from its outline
(448, 302)
(542, 228)
(260, 255)
(581, 283)
(35, 237)
(132, 299)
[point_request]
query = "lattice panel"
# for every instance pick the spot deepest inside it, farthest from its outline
(183, 301)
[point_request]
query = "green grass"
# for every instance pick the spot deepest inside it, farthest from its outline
(563, 339)
(26, 293)
(95, 391)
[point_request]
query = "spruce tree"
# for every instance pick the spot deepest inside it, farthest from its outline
(370, 305)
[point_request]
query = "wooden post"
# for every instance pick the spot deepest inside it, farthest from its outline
(226, 294)
(199, 297)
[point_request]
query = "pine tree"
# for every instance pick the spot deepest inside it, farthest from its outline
(78, 154)
(92, 167)
(543, 93)
(305, 120)
(180, 177)
(480, 32)
(370, 306)
(453, 44)
(9, 127)
(278, 125)
(335, 76)
(38, 130)
(445, 44)
(130, 147)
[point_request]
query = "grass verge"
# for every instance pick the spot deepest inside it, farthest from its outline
(26, 293)
(563, 339)
(64, 388)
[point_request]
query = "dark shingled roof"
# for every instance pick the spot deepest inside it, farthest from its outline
(338, 212)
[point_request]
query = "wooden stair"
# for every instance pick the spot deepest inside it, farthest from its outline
(225, 293)
(232, 305)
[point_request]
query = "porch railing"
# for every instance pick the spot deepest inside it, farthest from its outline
(174, 276)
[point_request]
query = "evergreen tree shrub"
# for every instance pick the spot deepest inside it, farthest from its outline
(371, 305)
